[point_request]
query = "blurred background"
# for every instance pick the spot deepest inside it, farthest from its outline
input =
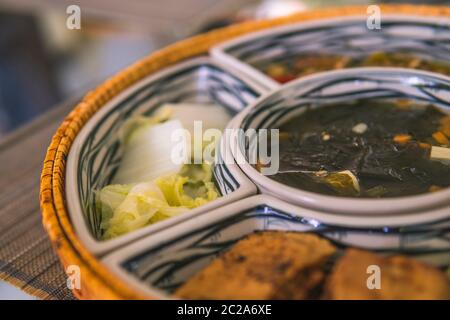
(43, 63)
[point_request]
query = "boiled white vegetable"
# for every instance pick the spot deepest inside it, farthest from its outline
(148, 153)
(197, 119)
(210, 115)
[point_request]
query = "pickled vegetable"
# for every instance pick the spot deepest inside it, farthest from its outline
(302, 65)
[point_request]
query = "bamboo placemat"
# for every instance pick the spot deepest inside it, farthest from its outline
(96, 280)
(27, 259)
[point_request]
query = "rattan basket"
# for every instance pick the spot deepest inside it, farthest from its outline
(97, 282)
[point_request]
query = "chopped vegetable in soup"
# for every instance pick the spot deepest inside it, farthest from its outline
(366, 149)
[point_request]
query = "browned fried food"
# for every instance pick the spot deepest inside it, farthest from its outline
(401, 278)
(264, 265)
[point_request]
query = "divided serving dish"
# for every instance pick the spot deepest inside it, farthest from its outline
(89, 140)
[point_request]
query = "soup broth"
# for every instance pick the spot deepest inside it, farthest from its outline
(366, 149)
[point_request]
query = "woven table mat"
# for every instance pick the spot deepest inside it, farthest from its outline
(27, 259)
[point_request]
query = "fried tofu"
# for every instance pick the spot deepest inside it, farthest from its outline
(264, 265)
(401, 278)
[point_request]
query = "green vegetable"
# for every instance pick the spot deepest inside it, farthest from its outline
(135, 211)
(109, 198)
(191, 188)
(125, 208)
(149, 187)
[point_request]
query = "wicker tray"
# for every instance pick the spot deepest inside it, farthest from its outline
(97, 282)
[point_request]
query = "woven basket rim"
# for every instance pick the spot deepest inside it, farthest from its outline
(97, 281)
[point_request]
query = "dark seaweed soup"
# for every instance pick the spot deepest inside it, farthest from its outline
(366, 149)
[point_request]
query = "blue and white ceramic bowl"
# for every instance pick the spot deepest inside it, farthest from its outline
(158, 264)
(349, 36)
(334, 87)
(96, 152)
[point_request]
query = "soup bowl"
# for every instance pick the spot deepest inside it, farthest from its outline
(343, 86)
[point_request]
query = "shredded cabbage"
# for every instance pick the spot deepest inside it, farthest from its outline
(191, 188)
(144, 203)
(125, 208)
(109, 198)
(148, 186)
